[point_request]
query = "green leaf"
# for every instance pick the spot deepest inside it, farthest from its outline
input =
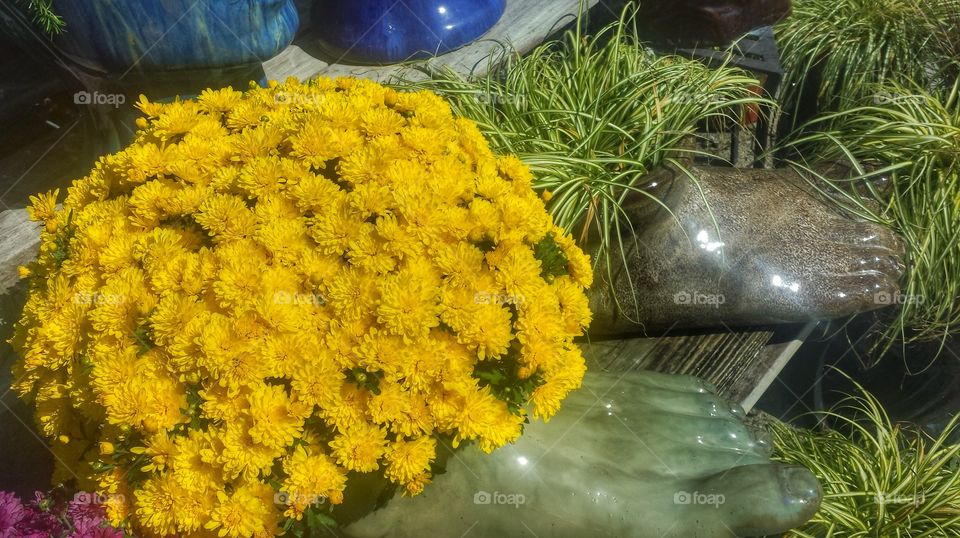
(553, 262)
(879, 479)
(142, 336)
(503, 377)
(318, 521)
(43, 15)
(492, 377)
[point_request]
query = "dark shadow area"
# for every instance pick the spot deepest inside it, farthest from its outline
(912, 385)
(46, 138)
(26, 463)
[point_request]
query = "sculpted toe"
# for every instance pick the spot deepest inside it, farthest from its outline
(762, 441)
(860, 291)
(758, 500)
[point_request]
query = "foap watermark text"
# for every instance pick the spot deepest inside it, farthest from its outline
(499, 498)
(697, 498)
(116, 100)
(897, 298)
(686, 298)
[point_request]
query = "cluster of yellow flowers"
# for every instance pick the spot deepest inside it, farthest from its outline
(271, 289)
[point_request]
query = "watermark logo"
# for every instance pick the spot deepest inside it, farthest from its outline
(298, 99)
(101, 99)
(485, 297)
(88, 498)
(904, 500)
(298, 299)
(499, 498)
(284, 498)
(697, 498)
(686, 298)
(887, 298)
(97, 299)
(884, 97)
(698, 98)
(498, 99)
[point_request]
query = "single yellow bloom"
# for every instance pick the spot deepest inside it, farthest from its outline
(407, 461)
(360, 447)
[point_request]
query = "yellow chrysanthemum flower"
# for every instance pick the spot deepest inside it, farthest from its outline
(43, 207)
(312, 479)
(240, 455)
(360, 447)
(276, 420)
(408, 306)
(159, 449)
(408, 462)
(155, 503)
(269, 289)
(240, 514)
(488, 330)
(574, 305)
(219, 101)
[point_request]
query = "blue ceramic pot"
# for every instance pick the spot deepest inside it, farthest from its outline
(390, 31)
(153, 35)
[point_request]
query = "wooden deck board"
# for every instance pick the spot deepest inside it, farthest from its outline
(19, 238)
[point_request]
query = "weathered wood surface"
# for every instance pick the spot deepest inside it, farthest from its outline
(19, 238)
(524, 25)
(772, 360)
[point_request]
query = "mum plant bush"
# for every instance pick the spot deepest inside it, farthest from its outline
(270, 291)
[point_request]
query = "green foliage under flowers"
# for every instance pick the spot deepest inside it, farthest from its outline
(844, 47)
(553, 262)
(591, 115)
(914, 139)
(880, 480)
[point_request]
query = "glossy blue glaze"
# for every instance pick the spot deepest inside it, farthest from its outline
(151, 35)
(390, 31)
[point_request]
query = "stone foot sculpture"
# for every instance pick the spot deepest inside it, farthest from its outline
(637, 454)
(742, 247)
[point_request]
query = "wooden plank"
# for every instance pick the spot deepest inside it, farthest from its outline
(524, 25)
(774, 358)
(19, 239)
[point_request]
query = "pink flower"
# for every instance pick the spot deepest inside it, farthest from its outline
(45, 517)
(88, 518)
(33, 520)
(12, 512)
(84, 506)
(100, 530)
(38, 524)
